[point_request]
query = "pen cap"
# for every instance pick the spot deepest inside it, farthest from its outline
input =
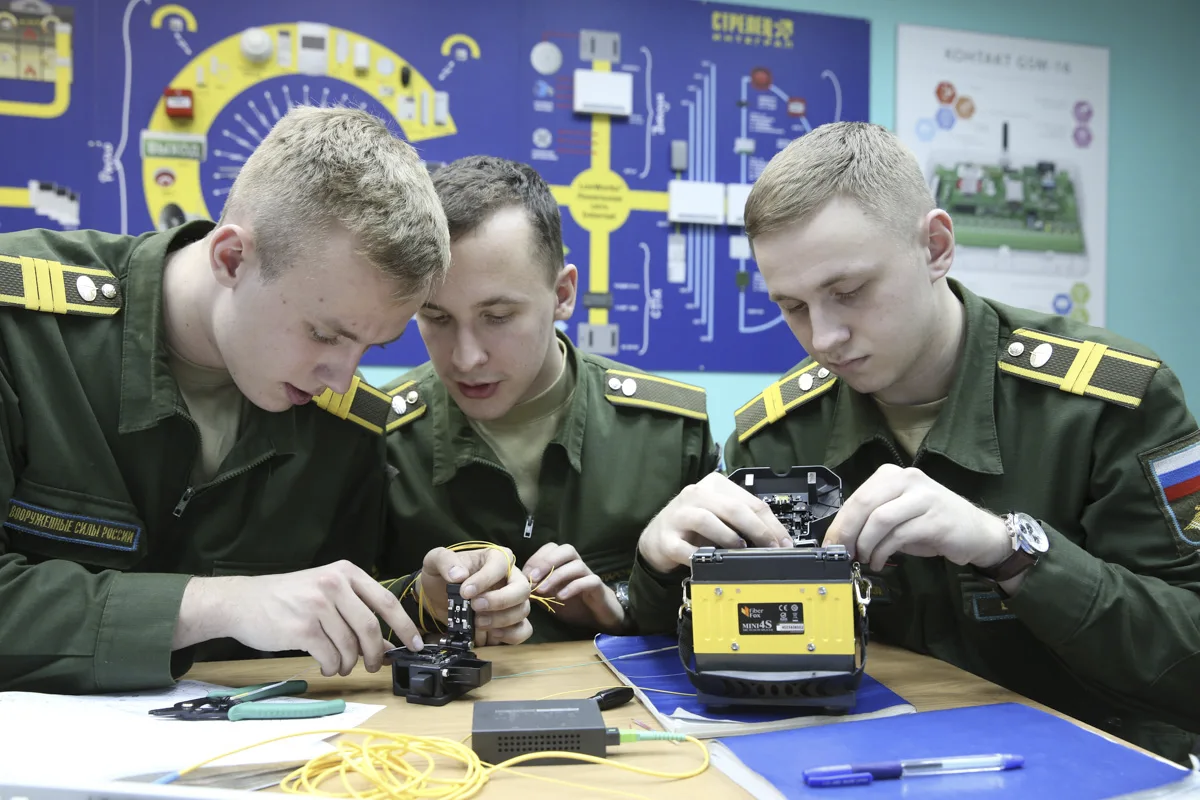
(824, 777)
(837, 775)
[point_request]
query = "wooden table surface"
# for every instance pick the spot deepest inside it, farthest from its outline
(926, 683)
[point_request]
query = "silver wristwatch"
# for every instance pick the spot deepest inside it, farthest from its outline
(1029, 542)
(621, 590)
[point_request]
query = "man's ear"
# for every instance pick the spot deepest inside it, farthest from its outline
(939, 248)
(230, 254)
(565, 287)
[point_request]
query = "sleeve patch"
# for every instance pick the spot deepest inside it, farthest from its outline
(74, 528)
(1174, 472)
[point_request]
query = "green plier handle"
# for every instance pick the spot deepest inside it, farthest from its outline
(245, 703)
(306, 710)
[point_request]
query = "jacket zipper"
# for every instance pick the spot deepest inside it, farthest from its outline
(528, 532)
(188, 494)
(896, 453)
(190, 491)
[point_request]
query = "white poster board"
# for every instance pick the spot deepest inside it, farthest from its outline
(1012, 135)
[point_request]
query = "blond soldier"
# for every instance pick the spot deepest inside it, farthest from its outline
(167, 480)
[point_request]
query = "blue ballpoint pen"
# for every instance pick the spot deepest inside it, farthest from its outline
(860, 774)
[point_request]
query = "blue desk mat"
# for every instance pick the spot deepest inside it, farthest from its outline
(1062, 760)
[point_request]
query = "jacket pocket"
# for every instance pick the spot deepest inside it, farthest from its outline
(46, 522)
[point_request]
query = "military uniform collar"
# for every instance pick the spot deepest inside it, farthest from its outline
(456, 443)
(965, 431)
(574, 424)
(149, 392)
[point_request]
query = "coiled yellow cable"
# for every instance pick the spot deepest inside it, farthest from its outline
(397, 766)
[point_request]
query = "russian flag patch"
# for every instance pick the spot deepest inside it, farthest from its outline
(1175, 472)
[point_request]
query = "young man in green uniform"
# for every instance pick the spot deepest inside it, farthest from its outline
(518, 437)
(166, 480)
(1022, 486)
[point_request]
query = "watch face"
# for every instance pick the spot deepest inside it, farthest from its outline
(1030, 534)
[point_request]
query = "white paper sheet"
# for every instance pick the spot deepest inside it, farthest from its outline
(105, 737)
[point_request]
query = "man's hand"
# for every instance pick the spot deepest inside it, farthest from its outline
(587, 601)
(714, 512)
(905, 511)
(329, 612)
(500, 597)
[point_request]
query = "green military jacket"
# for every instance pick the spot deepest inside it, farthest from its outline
(639, 438)
(1073, 426)
(102, 527)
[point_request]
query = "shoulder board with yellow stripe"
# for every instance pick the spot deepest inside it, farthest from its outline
(41, 285)
(808, 381)
(377, 411)
(641, 389)
(1079, 367)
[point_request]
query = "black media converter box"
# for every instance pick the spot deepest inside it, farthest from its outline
(505, 729)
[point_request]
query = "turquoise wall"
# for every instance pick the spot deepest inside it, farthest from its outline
(1154, 159)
